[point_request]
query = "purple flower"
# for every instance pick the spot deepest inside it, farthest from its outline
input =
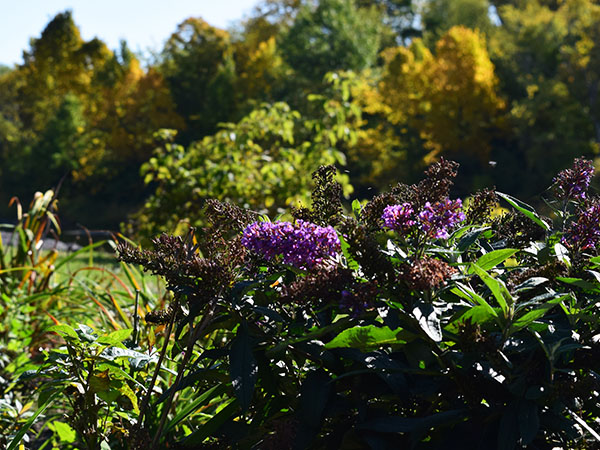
(437, 219)
(585, 233)
(398, 217)
(573, 183)
(301, 244)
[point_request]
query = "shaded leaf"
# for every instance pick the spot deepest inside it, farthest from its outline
(525, 209)
(243, 367)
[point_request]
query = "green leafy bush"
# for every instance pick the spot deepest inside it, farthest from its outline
(263, 162)
(410, 322)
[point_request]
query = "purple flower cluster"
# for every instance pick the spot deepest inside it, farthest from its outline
(574, 182)
(435, 220)
(585, 233)
(398, 217)
(302, 244)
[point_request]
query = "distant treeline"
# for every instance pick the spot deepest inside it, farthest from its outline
(381, 88)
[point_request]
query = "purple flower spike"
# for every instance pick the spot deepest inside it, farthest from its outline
(573, 183)
(585, 233)
(302, 244)
(437, 219)
(398, 217)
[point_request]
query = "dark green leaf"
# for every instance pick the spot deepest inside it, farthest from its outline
(314, 395)
(529, 421)
(508, 432)
(469, 239)
(394, 424)
(243, 367)
(208, 428)
(536, 313)
(190, 408)
(586, 285)
(525, 209)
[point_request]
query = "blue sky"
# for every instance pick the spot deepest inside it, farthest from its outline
(144, 24)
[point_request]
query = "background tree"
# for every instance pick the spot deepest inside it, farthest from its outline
(198, 65)
(263, 162)
(332, 35)
(550, 118)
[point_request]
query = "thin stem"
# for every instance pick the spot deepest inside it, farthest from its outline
(163, 352)
(195, 333)
(136, 318)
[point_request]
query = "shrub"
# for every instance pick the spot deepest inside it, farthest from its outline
(423, 324)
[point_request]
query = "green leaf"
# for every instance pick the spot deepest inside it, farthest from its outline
(364, 338)
(100, 382)
(394, 424)
(508, 432)
(497, 287)
(352, 264)
(529, 421)
(467, 293)
(115, 338)
(536, 313)
(477, 315)
(200, 401)
(73, 255)
(525, 209)
(356, 208)
(212, 425)
(470, 238)
(580, 283)
(64, 331)
(64, 431)
(243, 367)
(125, 390)
(493, 258)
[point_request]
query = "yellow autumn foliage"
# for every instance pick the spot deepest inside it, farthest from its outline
(450, 97)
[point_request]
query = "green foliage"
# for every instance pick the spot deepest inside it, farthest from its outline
(332, 35)
(552, 120)
(441, 15)
(262, 162)
(390, 343)
(198, 67)
(401, 339)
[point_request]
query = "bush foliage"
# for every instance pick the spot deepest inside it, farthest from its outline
(409, 321)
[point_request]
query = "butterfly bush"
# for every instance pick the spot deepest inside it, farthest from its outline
(573, 183)
(435, 219)
(302, 244)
